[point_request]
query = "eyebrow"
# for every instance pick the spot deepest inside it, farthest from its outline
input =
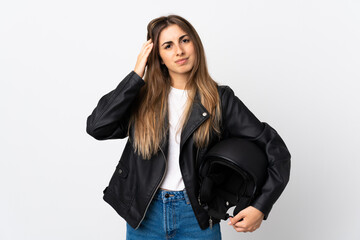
(179, 39)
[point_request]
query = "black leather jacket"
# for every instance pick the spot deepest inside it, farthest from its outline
(135, 180)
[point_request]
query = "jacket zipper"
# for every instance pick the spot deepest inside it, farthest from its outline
(198, 170)
(197, 156)
(210, 219)
(162, 178)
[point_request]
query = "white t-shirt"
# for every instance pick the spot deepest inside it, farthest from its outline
(176, 105)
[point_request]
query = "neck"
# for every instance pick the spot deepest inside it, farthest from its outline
(179, 80)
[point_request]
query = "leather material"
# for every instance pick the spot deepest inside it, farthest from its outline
(135, 180)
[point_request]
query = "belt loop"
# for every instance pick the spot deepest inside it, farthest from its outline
(186, 197)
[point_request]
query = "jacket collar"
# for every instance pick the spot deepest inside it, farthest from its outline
(197, 116)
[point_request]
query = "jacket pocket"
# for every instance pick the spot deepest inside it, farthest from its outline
(121, 186)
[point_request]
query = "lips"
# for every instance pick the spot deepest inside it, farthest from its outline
(182, 61)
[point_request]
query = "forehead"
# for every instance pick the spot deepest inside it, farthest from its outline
(171, 33)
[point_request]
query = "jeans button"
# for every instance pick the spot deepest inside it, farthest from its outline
(167, 195)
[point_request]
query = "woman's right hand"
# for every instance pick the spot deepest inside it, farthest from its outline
(142, 58)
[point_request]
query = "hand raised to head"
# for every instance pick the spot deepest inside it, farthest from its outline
(143, 57)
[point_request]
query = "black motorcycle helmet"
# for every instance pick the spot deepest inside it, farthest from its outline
(231, 174)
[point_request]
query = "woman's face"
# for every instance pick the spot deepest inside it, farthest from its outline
(175, 45)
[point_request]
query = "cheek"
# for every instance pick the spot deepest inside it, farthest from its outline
(192, 50)
(193, 53)
(165, 57)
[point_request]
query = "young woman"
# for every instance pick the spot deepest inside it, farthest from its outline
(172, 115)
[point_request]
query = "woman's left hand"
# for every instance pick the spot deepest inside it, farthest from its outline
(247, 220)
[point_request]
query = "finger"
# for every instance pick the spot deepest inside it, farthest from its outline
(245, 229)
(148, 49)
(229, 222)
(142, 47)
(237, 218)
(242, 224)
(149, 46)
(145, 44)
(144, 52)
(240, 229)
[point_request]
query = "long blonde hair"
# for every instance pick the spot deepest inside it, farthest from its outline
(150, 110)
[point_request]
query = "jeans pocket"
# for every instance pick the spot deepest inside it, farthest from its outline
(186, 197)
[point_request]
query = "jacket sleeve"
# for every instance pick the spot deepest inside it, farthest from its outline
(110, 118)
(239, 121)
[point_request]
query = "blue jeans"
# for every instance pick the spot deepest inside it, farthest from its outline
(170, 216)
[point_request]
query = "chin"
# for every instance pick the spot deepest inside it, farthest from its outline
(187, 71)
(184, 69)
(181, 70)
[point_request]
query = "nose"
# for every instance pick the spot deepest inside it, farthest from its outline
(179, 51)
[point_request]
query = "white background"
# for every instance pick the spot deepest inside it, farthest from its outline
(295, 64)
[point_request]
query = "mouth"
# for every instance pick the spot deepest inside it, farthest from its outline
(182, 61)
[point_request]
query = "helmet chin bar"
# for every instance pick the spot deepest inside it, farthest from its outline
(231, 174)
(239, 192)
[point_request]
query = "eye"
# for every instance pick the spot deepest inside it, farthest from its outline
(186, 40)
(166, 47)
